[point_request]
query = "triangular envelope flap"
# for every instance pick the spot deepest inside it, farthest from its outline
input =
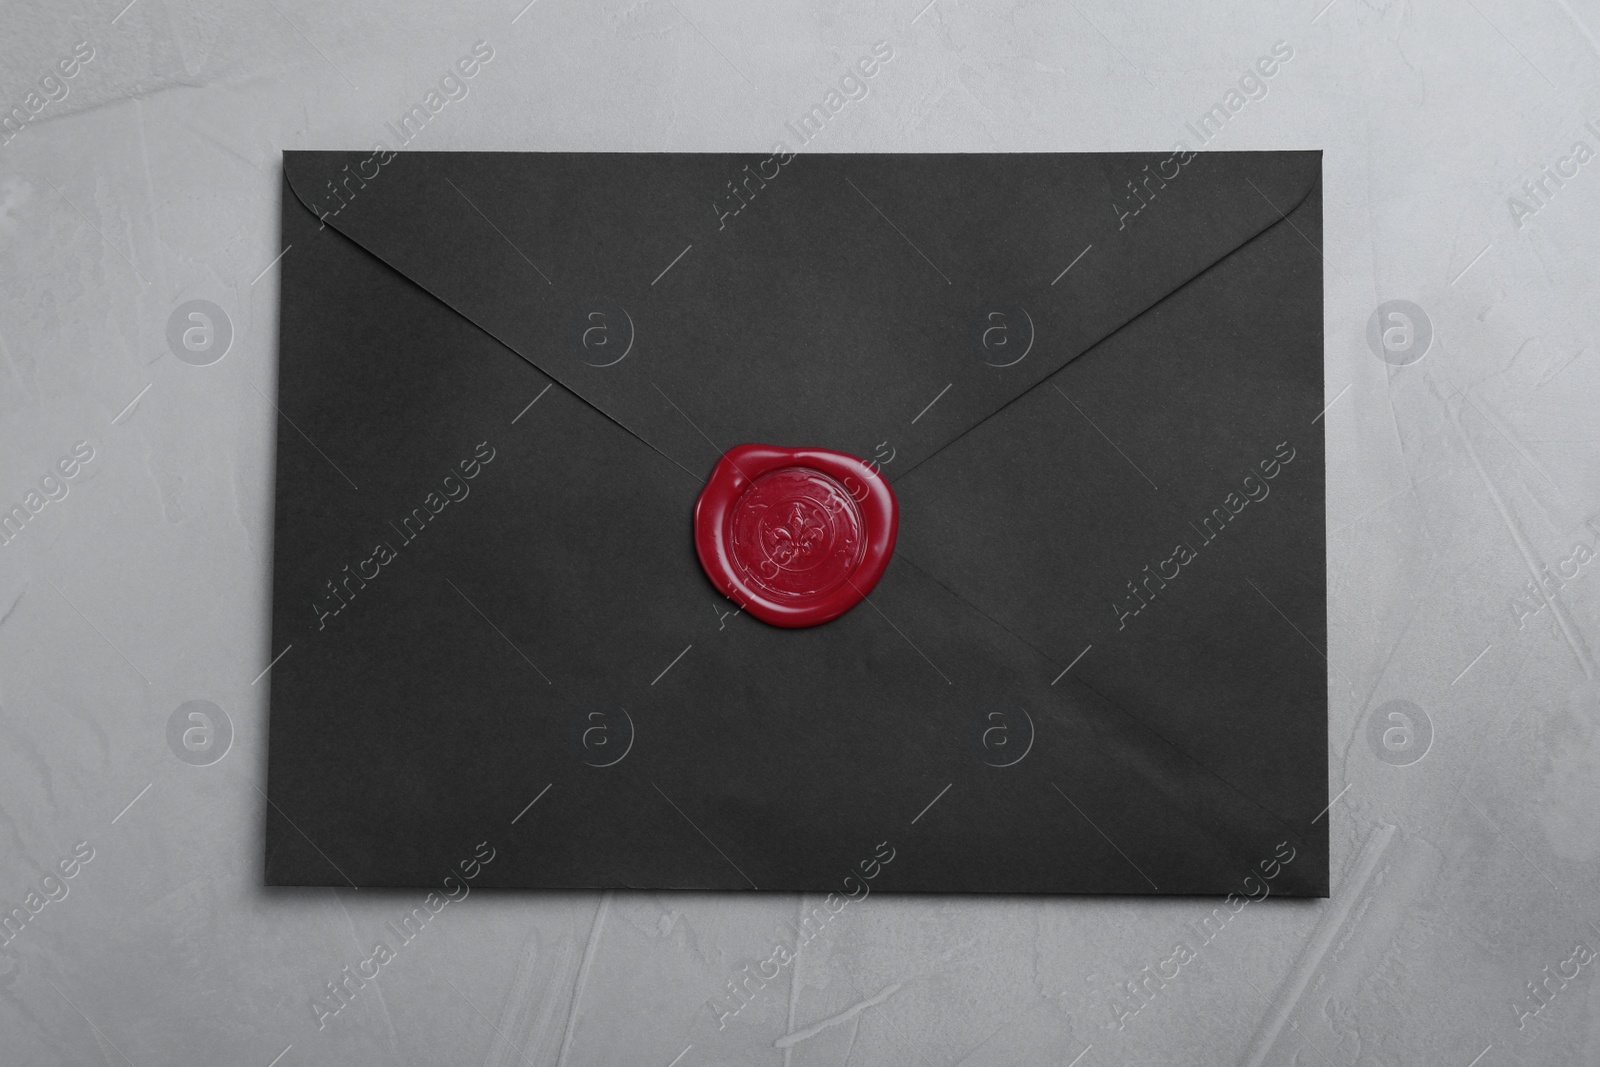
(882, 305)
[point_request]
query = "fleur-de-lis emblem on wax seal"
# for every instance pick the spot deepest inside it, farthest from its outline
(796, 538)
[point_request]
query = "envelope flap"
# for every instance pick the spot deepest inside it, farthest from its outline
(903, 303)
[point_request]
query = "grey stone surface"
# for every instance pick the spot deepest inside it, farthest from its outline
(1462, 876)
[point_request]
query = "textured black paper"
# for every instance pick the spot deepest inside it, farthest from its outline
(1045, 693)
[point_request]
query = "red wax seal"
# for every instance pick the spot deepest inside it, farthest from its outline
(796, 536)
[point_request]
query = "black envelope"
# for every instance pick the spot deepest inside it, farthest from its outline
(1093, 381)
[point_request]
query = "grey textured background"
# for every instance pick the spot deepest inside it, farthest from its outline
(1458, 879)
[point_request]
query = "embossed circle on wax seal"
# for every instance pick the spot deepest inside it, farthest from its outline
(796, 533)
(795, 536)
